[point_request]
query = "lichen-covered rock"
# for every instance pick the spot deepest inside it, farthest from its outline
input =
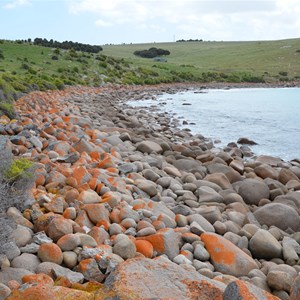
(165, 241)
(144, 278)
(240, 290)
(226, 257)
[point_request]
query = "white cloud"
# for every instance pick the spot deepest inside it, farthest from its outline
(102, 23)
(16, 3)
(207, 19)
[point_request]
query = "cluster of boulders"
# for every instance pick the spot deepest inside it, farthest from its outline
(125, 204)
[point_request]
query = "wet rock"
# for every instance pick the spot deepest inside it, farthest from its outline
(245, 141)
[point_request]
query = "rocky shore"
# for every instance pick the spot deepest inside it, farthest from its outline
(125, 205)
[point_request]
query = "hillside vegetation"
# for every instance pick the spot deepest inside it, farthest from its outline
(25, 66)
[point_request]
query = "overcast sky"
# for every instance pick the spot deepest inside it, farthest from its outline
(137, 21)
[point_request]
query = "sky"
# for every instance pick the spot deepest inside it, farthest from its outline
(100, 22)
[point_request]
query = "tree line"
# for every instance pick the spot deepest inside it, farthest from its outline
(67, 45)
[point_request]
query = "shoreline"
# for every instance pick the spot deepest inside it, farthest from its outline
(120, 190)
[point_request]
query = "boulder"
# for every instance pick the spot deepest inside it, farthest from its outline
(149, 147)
(279, 215)
(226, 257)
(252, 191)
(165, 241)
(264, 245)
(159, 278)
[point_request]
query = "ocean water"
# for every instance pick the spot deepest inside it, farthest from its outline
(269, 116)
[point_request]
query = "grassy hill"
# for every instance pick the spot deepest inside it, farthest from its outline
(258, 58)
(25, 67)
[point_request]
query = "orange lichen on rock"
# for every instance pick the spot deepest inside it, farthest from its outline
(227, 257)
(38, 278)
(203, 290)
(144, 247)
(246, 291)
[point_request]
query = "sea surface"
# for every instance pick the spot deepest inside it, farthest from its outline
(268, 116)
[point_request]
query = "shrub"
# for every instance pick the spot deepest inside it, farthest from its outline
(151, 53)
(17, 169)
(7, 109)
(14, 189)
(54, 57)
(1, 55)
(283, 73)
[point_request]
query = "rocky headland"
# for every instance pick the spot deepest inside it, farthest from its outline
(125, 205)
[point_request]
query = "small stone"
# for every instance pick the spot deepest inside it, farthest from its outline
(181, 259)
(69, 242)
(22, 236)
(124, 247)
(59, 227)
(279, 280)
(70, 259)
(201, 253)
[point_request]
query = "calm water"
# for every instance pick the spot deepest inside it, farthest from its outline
(269, 116)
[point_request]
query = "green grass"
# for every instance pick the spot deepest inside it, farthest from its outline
(258, 58)
(26, 67)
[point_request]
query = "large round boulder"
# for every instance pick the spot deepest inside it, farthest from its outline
(279, 215)
(252, 191)
(264, 245)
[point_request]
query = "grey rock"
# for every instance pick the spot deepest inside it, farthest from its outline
(30, 248)
(181, 259)
(201, 253)
(11, 250)
(4, 291)
(253, 191)
(26, 261)
(54, 271)
(279, 215)
(201, 221)
(125, 248)
(279, 280)
(21, 235)
(264, 245)
(41, 238)
(207, 194)
(149, 147)
(239, 289)
(8, 274)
